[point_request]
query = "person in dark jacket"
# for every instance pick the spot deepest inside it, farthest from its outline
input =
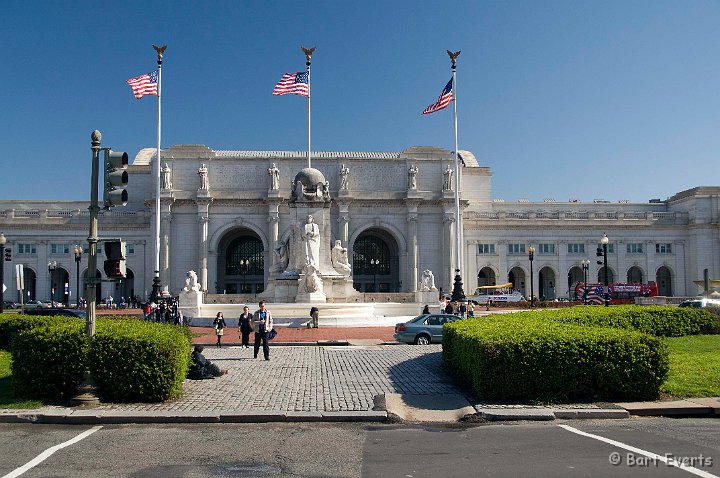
(245, 326)
(262, 325)
(315, 316)
(201, 368)
(219, 324)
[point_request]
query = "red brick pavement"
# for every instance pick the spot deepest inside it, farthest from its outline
(299, 335)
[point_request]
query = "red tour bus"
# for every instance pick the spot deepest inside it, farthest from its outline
(620, 292)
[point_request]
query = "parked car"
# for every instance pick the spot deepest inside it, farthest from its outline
(423, 329)
(9, 304)
(37, 304)
(57, 311)
(700, 303)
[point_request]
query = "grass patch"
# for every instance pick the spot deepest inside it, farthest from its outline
(694, 366)
(7, 398)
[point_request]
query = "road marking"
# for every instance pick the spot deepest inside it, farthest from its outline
(649, 454)
(47, 453)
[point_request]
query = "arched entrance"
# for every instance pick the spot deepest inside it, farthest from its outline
(59, 279)
(664, 281)
(546, 284)
(601, 275)
(486, 276)
(98, 286)
(376, 262)
(30, 281)
(575, 275)
(517, 277)
(635, 274)
(241, 264)
(125, 288)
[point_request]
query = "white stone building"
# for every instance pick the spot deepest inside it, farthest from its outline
(380, 211)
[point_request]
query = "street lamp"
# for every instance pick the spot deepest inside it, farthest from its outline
(244, 265)
(531, 256)
(77, 250)
(604, 241)
(52, 265)
(585, 268)
(3, 241)
(375, 263)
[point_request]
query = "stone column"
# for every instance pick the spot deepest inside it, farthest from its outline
(412, 249)
(273, 234)
(165, 221)
(503, 263)
(448, 251)
(561, 282)
(344, 220)
(203, 211)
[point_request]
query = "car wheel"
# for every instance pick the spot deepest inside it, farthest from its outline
(422, 339)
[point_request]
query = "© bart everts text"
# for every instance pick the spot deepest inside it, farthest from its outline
(668, 459)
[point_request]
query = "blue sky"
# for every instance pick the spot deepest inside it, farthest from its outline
(584, 99)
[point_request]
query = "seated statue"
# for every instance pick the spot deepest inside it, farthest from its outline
(281, 257)
(339, 258)
(311, 282)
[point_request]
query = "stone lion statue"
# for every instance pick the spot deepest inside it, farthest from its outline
(191, 282)
(427, 281)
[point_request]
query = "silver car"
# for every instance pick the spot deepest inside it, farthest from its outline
(423, 329)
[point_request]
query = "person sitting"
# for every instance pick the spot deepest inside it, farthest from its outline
(201, 368)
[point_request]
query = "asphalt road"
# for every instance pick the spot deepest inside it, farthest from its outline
(353, 450)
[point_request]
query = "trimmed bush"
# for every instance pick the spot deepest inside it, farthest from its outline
(656, 320)
(522, 358)
(139, 361)
(49, 359)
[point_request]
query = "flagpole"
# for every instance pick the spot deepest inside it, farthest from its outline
(457, 293)
(157, 287)
(308, 56)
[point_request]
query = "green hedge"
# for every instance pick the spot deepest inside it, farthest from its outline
(139, 361)
(521, 358)
(130, 360)
(49, 360)
(663, 321)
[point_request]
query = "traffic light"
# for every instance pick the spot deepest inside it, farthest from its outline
(116, 179)
(599, 252)
(8, 254)
(115, 263)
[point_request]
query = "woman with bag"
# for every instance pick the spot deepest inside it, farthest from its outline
(219, 324)
(245, 326)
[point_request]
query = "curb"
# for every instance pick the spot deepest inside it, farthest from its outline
(549, 414)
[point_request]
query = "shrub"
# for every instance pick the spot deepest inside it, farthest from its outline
(521, 358)
(49, 359)
(139, 361)
(657, 320)
(12, 324)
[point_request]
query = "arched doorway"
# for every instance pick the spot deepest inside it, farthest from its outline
(517, 277)
(601, 275)
(125, 288)
(59, 280)
(635, 274)
(664, 281)
(486, 276)
(98, 286)
(241, 264)
(575, 275)
(30, 281)
(376, 262)
(546, 284)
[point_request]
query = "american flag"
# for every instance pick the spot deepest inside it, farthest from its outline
(146, 84)
(293, 83)
(443, 100)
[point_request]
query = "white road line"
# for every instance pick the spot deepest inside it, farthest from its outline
(47, 453)
(667, 460)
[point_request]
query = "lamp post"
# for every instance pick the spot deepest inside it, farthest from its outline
(531, 256)
(375, 263)
(244, 264)
(585, 268)
(52, 265)
(3, 241)
(604, 241)
(77, 250)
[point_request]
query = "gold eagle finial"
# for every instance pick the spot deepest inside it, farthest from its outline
(453, 56)
(308, 53)
(160, 50)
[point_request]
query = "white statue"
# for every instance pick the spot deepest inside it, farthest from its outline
(344, 172)
(191, 282)
(339, 258)
(274, 173)
(166, 181)
(203, 172)
(326, 191)
(427, 281)
(311, 239)
(281, 257)
(447, 179)
(311, 282)
(412, 177)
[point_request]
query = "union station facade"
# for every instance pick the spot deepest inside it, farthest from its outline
(224, 213)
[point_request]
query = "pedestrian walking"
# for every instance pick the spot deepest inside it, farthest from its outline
(219, 324)
(262, 325)
(426, 309)
(245, 326)
(315, 316)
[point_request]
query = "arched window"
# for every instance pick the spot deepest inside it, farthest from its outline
(249, 250)
(367, 250)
